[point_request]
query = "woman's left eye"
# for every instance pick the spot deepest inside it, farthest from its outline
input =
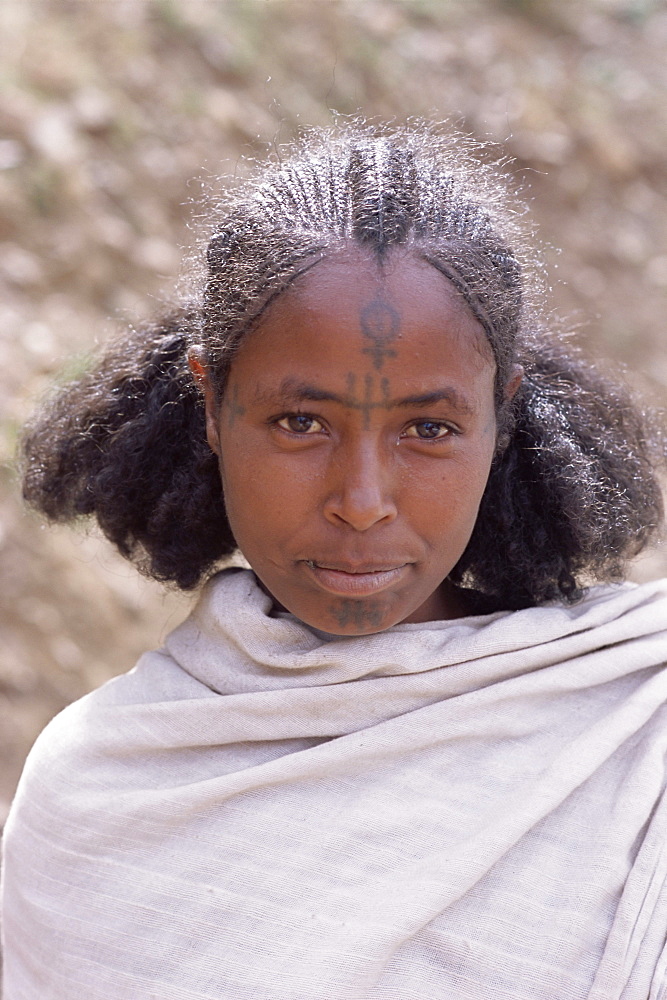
(299, 423)
(428, 430)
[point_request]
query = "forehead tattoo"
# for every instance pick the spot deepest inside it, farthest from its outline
(368, 402)
(380, 323)
(365, 395)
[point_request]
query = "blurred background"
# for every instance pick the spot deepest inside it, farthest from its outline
(115, 113)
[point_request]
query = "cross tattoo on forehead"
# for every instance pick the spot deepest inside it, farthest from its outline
(379, 323)
(367, 403)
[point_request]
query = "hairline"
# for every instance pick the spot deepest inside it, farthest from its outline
(380, 256)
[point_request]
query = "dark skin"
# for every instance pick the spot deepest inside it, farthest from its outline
(381, 324)
(355, 439)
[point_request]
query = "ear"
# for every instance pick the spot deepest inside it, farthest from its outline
(513, 382)
(200, 373)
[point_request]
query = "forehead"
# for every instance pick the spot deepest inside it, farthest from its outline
(399, 317)
(347, 284)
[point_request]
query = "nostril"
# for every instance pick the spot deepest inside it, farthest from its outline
(360, 508)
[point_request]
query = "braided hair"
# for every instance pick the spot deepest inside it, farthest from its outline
(572, 492)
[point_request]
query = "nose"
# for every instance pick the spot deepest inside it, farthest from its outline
(360, 491)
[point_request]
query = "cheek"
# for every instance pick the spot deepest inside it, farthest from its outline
(236, 475)
(447, 504)
(264, 494)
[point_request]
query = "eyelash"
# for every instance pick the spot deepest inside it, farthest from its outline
(298, 416)
(447, 428)
(450, 431)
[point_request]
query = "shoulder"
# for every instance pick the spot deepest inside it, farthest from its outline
(89, 743)
(84, 751)
(87, 731)
(641, 609)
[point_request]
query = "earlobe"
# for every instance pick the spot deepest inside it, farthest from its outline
(197, 366)
(513, 382)
(200, 373)
(511, 389)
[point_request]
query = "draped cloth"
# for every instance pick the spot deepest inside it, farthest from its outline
(464, 809)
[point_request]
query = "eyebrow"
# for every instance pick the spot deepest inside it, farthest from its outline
(447, 394)
(291, 391)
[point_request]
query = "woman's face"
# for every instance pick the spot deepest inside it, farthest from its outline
(355, 438)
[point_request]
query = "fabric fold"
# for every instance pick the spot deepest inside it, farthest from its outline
(464, 809)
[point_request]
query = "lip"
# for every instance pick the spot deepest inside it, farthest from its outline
(357, 581)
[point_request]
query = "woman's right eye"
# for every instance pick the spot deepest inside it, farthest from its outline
(300, 423)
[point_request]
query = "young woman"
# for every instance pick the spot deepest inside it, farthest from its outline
(418, 750)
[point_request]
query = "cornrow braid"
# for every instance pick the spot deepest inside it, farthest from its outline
(382, 182)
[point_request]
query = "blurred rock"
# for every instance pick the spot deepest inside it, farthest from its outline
(11, 154)
(19, 266)
(53, 135)
(93, 110)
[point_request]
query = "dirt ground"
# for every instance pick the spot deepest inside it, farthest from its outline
(116, 115)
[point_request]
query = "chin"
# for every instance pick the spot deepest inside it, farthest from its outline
(347, 616)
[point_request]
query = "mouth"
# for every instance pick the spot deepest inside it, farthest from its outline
(357, 581)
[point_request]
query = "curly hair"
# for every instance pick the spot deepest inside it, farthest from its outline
(572, 493)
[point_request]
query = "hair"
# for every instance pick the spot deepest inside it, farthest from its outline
(572, 493)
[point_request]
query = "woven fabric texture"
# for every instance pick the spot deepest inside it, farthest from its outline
(465, 809)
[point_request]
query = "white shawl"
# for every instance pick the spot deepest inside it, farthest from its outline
(465, 809)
